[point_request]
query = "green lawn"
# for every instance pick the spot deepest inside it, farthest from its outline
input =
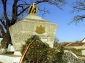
(77, 52)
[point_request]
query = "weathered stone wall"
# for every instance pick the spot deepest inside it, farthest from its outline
(28, 26)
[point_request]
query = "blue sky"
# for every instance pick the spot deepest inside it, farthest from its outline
(64, 32)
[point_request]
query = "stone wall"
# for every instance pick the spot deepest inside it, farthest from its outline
(29, 26)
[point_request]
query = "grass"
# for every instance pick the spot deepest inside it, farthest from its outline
(76, 51)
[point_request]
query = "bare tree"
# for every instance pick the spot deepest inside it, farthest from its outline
(78, 6)
(19, 7)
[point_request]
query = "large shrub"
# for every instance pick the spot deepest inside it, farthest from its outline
(37, 52)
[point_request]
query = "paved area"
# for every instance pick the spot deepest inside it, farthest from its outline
(9, 58)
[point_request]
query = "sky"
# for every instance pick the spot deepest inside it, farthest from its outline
(64, 32)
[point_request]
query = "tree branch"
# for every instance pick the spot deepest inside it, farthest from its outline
(77, 18)
(44, 11)
(23, 11)
(37, 2)
(79, 6)
(14, 12)
(55, 2)
(2, 22)
(21, 5)
(4, 2)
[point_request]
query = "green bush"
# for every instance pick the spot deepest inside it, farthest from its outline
(39, 52)
(60, 55)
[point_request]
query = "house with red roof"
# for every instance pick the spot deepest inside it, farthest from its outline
(77, 45)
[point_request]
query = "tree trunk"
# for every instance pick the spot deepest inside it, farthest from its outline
(6, 39)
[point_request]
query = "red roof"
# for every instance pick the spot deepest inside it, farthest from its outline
(76, 44)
